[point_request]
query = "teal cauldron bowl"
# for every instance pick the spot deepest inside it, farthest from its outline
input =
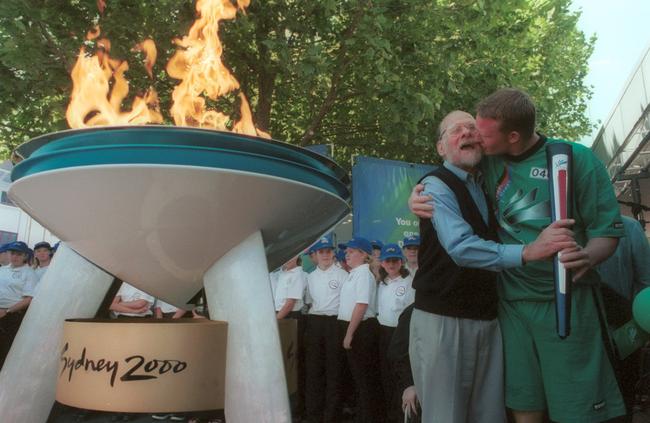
(157, 206)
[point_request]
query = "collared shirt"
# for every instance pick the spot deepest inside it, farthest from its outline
(164, 307)
(519, 190)
(128, 293)
(324, 290)
(291, 285)
(393, 296)
(457, 236)
(359, 288)
(40, 271)
(411, 269)
(16, 283)
(273, 279)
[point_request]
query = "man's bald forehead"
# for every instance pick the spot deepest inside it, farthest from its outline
(451, 117)
(454, 116)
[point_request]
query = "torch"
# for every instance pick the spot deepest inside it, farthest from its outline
(559, 159)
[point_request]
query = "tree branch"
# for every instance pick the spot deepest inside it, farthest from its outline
(266, 74)
(341, 65)
(60, 54)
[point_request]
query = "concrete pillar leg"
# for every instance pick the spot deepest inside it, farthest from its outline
(238, 291)
(72, 287)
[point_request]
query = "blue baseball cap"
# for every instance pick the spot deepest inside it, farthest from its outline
(377, 244)
(19, 246)
(391, 251)
(412, 241)
(3, 247)
(42, 244)
(324, 242)
(360, 244)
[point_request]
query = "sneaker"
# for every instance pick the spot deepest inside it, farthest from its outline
(160, 416)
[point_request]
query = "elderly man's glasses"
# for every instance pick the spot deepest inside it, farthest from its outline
(457, 129)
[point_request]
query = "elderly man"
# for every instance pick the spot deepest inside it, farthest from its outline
(571, 379)
(455, 345)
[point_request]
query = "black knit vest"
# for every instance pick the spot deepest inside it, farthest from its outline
(441, 286)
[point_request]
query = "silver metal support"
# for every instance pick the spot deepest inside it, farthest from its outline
(238, 291)
(72, 287)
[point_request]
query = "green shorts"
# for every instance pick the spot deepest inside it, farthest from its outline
(572, 378)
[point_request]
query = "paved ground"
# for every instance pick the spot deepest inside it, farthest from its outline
(110, 417)
(71, 416)
(97, 417)
(641, 417)
(62, 414)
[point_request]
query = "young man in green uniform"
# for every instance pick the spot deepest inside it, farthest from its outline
(572, 379)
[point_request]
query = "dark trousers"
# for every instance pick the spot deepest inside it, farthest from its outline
(9, 326)
(363, 359)
(389, 382)
(298, 401)
(324, 357)
(628, 373)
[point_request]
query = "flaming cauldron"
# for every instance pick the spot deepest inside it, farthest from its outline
(170, 210)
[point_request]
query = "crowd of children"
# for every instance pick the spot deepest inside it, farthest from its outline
(347, 310)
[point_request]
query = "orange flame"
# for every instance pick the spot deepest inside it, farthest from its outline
(99, 85)
(197, 64)
(99, 88)
(148, 47)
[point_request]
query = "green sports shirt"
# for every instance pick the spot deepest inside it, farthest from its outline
(518, 189)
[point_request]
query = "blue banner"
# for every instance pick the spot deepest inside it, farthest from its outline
(380, 192)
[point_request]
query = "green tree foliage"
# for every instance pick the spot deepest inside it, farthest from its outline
(372, 77)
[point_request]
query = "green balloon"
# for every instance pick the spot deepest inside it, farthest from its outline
(641, 309)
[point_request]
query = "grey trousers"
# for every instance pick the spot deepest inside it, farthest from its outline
(457, 367)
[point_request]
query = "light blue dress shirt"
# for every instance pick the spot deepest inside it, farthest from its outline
(456, 235)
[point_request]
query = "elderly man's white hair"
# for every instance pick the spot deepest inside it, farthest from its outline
(444, 123)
